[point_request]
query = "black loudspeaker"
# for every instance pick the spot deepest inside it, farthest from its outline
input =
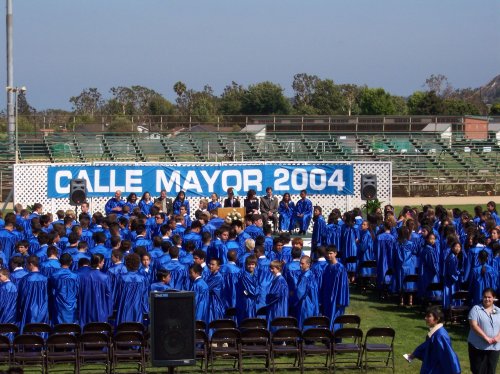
(172, 328)
(77, 191)
(368, 186)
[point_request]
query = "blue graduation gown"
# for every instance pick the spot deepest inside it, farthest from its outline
(114, 272)
(319, 233)
(292, 272)
(145, 206)
(385, 247)
(49, 266)
(430, 271)
(231, 274)
(348, 246)
(33, 305)
(247, 294)
(307, 297)
(286, 218)
(201, 299)
(304, 207)
(242, 237)
(193, 237)
(8, 301)
(17, 275)
(64, 287)
(213, 205)
(451, 278)
(264, 279)
(254, 231)
(404, 264)
(159, 287)
(8, 240)
(179, 275)
(218, 250)
(335, 291)
(437, 354)
(277, 299)
(365, 252)
(132, 297)
(177, 206)
(333, 234)
(217, 309)
(318, 269)
(95, 297)
(479, 281)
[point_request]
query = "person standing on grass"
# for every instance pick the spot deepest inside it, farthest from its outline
(277, 296)
(436, 353)
(484, 335)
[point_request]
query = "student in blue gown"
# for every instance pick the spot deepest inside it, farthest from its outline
(318, 269)
(9, 236)
(180, 200)
(430, 267)
(115, 204)
(366, 251)
(199, 258)
(146, 203)
(264, 276)
(453, 271)
(8, 298)
(482, 277)
(64, 287)
(178, 271)
(218, 247)
(303, 212)
(404, 264)
(385, 248)
(163, 283)
(132, 201)
(17, 264)
(95, 302)
(247, 290)
(306, 293)
(230, 273)
(319, 230)
(335, 288)
(32, 303)
(51, 264)
(286, 209)
(291, 273)
(333, 230)
(201, 294)
(348, 246)
(215, 284)
(436, 353)
(214, 202)
(132, 293)
(277, 296)
(255, 228)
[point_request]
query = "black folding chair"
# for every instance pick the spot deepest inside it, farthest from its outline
(63, 347)
(255, 342)
(128, 346)
(317, 341)
(347, 348)
(29, 349)
(287, 341)
(379, 342)
(225, 344)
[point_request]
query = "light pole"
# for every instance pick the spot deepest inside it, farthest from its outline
(16, 91)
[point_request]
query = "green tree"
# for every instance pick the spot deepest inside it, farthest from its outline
(23, 107)
(457, 107)
(265, 98)
(327, 98)
(202, 104)
(88, 102)
(439, 84)
(124, 97)
(400, 105)
(425, 103)
(350, 95)
(159, 106)
(304, 86)
(495, 109)
(231, 99)
(375, 101)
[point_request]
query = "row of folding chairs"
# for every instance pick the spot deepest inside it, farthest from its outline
(280, 322)
(346, 347)
(96, 343)
(45, 329)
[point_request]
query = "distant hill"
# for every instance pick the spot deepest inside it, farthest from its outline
(490, 93)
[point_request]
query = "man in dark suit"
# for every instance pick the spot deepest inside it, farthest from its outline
(166, 203)
(231, 201)
(269, 207)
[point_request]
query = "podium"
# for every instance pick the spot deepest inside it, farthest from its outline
(223, 212)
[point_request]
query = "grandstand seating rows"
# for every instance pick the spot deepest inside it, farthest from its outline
(429, 156)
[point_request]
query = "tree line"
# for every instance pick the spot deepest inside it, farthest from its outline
(312, 96)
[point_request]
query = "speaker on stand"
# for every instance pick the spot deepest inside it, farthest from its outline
(172, 329)
(77, 193)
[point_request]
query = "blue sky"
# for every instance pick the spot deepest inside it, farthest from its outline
(64, 46)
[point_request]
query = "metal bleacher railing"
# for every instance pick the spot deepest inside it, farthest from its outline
(426, 161)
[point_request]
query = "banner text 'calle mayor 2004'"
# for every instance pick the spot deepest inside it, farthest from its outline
(196, 180)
